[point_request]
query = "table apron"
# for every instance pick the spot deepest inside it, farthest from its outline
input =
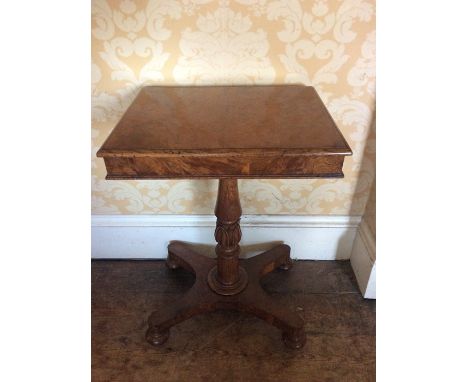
(254, 166)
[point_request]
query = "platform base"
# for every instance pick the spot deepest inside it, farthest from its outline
(250, 298)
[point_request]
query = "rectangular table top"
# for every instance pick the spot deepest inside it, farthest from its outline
(225, 131)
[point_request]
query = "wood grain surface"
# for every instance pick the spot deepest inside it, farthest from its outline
(225, 345)
(278, 131)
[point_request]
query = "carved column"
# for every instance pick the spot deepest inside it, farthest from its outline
(227, 278)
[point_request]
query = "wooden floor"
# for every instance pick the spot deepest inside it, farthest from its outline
(230, 346)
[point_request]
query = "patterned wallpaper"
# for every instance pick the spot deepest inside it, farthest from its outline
(370, 211)
(326, 44)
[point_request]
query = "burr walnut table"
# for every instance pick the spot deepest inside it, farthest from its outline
(226, 132)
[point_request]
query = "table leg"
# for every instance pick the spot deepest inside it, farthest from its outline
(228, 278)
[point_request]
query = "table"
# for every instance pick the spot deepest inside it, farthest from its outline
(226, 133)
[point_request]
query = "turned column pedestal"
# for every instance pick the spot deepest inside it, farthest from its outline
(227, 282)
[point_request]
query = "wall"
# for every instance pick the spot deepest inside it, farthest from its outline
(369, 216)
(370, 213)
(363, 252)
(327, 44)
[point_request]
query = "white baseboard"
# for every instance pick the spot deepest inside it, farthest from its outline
(147, 236)
(363, 261)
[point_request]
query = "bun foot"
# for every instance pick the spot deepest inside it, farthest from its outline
(286, 266)
(171, 264)
(294, 340)
(155, 337)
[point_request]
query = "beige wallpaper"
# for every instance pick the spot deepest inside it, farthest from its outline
(370, 211)
(327, 44)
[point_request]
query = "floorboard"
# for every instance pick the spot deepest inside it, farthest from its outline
(230, 346)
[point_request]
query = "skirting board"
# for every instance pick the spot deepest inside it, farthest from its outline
(147, 236)
(363, 261)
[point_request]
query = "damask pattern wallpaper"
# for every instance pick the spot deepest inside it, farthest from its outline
(326, 44)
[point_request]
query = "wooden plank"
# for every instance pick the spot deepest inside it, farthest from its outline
(340, 328)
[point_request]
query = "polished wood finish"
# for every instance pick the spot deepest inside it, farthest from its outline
(227, 278)
(227, 282)
(204, 298)
(229, 345)
(226, 132)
